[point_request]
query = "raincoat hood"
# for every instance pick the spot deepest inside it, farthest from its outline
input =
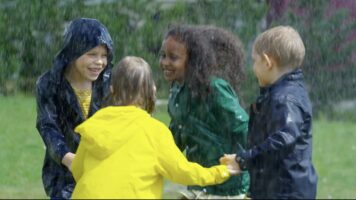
(103, 135)
(82, 35)
(124, 153)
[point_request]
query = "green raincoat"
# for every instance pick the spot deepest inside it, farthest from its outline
(208, 128)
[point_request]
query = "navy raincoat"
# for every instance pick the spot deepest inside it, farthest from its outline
(58, 110)
(280, 140)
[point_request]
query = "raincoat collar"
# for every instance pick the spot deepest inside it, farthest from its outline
(294, 75)
(81, 35)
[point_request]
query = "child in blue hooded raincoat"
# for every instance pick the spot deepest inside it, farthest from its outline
(279, 154)
(68, 94)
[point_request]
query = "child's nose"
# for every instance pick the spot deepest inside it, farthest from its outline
(101, 60)
(164, 62)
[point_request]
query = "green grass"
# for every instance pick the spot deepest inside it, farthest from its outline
(22, 153)
(334, 159)
(22, 150)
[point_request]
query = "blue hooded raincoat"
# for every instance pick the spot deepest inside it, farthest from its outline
(58, 110)
(280, 140)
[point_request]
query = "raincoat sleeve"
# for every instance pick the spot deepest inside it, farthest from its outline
(227, 109)
(47, 123)
(174, 166)
(78, 161)
(283, 129)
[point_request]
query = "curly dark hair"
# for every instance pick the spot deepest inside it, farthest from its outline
(212, 51)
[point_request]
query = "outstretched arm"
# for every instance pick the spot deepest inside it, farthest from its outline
(228, 111)
(285, 127)
(174, 166)
(47, 125)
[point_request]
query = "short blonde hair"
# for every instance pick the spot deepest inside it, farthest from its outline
(133, 84)
(283, 43)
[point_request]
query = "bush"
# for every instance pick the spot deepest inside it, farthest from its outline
(328, 65)
(32, 30)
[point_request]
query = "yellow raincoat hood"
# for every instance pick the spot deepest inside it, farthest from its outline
(104, 135)
(125, 153)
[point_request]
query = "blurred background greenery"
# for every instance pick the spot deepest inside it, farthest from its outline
(31, 35)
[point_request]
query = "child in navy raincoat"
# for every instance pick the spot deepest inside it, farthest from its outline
(68, 94)
(279, 157)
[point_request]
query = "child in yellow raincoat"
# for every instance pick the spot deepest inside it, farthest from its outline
(124, 152)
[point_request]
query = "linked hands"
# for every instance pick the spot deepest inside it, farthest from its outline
(231, 164)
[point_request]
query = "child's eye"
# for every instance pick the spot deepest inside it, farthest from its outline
(162, 55)
(174, 57)
(91, 54)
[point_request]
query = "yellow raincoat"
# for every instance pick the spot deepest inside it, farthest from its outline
(125, 153)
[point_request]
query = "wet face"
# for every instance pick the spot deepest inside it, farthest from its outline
(173, 60)
(260, 69)
(89, 66)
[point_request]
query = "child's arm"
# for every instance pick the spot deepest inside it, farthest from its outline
(174, 166)
(47, 124)
(285, 127)
(227, 110)
(78, 162)
(177, 135)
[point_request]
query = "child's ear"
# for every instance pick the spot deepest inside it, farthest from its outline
(269, 60)
(111, 89)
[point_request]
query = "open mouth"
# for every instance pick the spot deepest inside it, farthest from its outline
(95, 71)
(168, 72)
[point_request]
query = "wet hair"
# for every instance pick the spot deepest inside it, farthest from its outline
(212, 51)
(283, 43)
(132, 83)
(229, 54)
(81, 35)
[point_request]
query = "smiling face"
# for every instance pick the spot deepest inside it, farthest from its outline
(173, 60)
(89, 66)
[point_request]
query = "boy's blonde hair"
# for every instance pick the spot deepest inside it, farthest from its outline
(283, 43)
(133, 84)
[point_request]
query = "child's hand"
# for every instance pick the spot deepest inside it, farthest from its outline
(227, 159)
(232, 166)
(68, 159)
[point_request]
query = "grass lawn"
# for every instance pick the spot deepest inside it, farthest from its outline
(22, 153)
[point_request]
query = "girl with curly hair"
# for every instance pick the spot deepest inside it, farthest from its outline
(204, 65)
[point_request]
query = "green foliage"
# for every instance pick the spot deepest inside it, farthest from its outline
(328, 64)
(34, 28)
(32, 33)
